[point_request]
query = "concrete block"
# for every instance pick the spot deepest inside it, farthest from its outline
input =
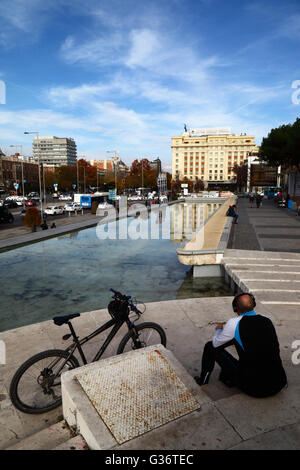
(80, 413)
(207, 270)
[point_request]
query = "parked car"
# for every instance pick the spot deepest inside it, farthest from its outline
(136, 198)
(104, 205)
(72, 207)
(65, 197)
(55, 195)
(10, 203)
(54, 210)
(5, 215)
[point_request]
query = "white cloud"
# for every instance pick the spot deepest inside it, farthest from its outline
(144, 48)
(103, 50)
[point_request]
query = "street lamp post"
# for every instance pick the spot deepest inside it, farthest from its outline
(142, 177)
(40, 183)
(44, 181)
(249, 161)
(77, 177)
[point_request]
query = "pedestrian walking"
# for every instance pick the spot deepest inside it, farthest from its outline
(258, 200)
(251, 199)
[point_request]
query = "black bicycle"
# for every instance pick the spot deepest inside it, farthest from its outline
(36, 386)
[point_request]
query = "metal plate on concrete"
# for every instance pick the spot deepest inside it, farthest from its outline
(137, 394)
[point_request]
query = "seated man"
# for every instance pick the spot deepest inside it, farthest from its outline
(231, 212)
(259, 371)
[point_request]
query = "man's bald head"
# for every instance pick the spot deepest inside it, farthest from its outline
(244, 304)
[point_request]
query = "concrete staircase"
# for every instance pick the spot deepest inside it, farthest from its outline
(56, 437)
(273, 277)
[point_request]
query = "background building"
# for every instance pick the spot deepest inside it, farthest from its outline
(107, 166)
(55, 151)
(209, 154)
(155, 165)
(15, 170)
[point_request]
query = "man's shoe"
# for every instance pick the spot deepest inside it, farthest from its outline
(202, 379)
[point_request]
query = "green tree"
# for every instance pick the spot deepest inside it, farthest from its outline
(241, 172)
(282, 146)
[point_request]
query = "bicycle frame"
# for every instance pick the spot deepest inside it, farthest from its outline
(117, 325)
(78, 343)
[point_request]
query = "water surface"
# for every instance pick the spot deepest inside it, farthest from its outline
(74, 272)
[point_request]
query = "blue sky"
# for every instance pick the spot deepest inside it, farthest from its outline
(126, 75)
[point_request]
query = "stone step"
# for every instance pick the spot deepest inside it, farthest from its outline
(276, 277)
(261, 261)
(75, 443)
(241, 268)
(47, 439)
(238, 254)
(269, 285)
(276, 296)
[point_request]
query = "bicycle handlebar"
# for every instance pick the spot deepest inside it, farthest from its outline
(126, 297)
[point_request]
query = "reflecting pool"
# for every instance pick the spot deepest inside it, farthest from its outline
(74, 272)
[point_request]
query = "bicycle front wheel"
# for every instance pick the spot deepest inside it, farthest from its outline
(147, 334)
(36, 386)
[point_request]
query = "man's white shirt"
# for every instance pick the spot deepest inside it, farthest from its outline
(226, 334)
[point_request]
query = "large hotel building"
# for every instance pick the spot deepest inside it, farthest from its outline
(209, 154)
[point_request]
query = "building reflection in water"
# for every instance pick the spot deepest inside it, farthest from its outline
(187, 218)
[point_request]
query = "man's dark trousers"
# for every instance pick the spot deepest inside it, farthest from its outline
(226, 361)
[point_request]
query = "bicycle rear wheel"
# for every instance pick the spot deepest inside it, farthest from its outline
(36, 387)
(148, 334)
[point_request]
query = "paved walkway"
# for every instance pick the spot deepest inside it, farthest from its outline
(268, 228)
(228, 420)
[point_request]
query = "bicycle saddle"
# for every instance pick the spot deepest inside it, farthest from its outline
(65, 318)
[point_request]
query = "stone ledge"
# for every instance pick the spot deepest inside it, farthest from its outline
(217, 230)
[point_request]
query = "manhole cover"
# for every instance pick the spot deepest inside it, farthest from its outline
(137, 394)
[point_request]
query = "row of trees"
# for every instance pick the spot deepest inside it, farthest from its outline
(140, 174)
